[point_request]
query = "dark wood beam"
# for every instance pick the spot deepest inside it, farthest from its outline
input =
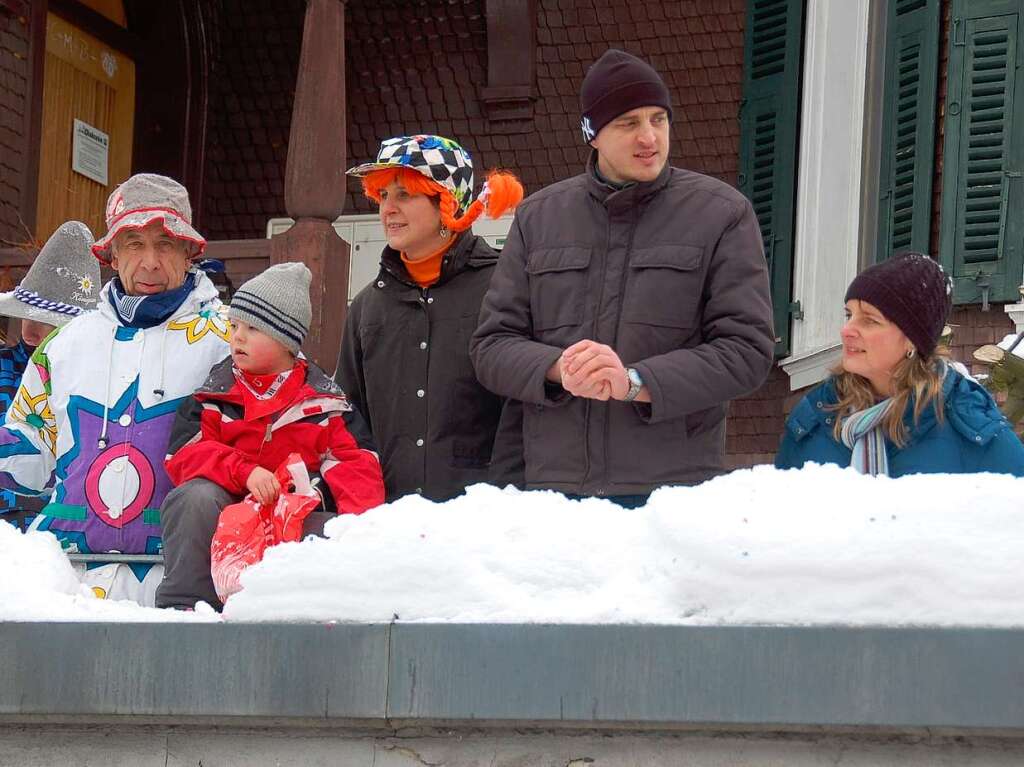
(239, 250)
(34, 117)
(15, 7)
(172, 92)
(16, 258)
(100, 27)
(315, 173)
(511, 65)
(197, 17)
(314, 193)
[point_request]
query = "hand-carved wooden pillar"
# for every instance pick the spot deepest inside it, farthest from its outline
(314, 187)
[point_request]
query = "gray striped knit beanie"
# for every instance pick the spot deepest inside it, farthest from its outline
(277, 303)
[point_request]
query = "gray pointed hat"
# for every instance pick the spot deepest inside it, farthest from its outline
(63, 281)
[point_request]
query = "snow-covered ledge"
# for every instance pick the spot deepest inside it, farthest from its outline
(828, 217)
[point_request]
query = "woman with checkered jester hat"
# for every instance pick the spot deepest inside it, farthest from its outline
(405, 351)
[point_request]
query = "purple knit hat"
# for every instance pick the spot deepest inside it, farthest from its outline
(913, 292)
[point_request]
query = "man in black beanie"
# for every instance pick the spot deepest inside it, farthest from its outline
(630, 304)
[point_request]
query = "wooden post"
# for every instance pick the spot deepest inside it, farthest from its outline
(314, 188)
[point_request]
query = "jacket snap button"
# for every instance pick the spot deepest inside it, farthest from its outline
(420, 392)
(125, 420)
(977, 438)
(380, 283)
(820, 405)
(419, 442)
(430, 300)
(423, 344)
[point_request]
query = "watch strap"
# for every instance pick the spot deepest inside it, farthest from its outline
(635, 384)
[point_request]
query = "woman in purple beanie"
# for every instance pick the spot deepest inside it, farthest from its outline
(894, 405)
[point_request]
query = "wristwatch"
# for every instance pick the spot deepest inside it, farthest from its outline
(636, 383)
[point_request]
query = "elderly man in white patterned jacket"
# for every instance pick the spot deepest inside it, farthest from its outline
(90, 424)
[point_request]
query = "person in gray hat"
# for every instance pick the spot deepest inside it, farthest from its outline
(256, 408)
(63, 282)
(89, 426)
(630, 304)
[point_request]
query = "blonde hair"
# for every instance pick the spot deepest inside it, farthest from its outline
(915, 377)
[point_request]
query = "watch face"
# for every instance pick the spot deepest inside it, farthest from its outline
(634, 377)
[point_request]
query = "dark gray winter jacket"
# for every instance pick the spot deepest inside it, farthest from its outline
(405, 365)
(672, 275)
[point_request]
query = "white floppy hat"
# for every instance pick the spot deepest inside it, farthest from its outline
(63, 281)
(143, 198)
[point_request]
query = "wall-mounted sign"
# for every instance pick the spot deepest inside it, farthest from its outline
(90, 152)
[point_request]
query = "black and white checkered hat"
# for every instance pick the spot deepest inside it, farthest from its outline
(439, 159)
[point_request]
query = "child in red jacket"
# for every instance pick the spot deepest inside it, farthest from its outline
(256, 408)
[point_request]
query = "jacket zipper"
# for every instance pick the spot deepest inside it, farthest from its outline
(615, 334)
(424, 302)
(266, 438)
(588, 405)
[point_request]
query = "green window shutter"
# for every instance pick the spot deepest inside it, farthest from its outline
(908, 143)
(768, 139)
(982, 200)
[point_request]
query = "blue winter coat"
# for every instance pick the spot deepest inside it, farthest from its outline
(973, 437)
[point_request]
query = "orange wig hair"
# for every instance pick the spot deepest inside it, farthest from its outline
(504, 193)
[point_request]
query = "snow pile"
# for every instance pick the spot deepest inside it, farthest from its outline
(822, 545)
(818, 546)
(37, 583)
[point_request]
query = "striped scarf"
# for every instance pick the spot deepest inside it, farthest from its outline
(862, 433)
(152, 310)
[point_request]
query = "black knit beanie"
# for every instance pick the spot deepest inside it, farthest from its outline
(913, 292)
(616, 83)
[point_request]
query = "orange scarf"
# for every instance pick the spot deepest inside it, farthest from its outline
(426, 271)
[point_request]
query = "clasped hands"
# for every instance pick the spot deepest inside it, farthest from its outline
(592, 370)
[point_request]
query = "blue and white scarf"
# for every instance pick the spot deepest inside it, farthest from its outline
(148, 311)
(862, 433)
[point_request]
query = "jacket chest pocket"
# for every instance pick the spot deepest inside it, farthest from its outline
(665, 286)
(371, 342)
(558, 284)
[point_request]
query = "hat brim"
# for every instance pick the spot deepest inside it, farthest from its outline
(174, 226)
(369, 167)
(11, 306)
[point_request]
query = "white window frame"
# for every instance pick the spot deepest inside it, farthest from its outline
(827, 243)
